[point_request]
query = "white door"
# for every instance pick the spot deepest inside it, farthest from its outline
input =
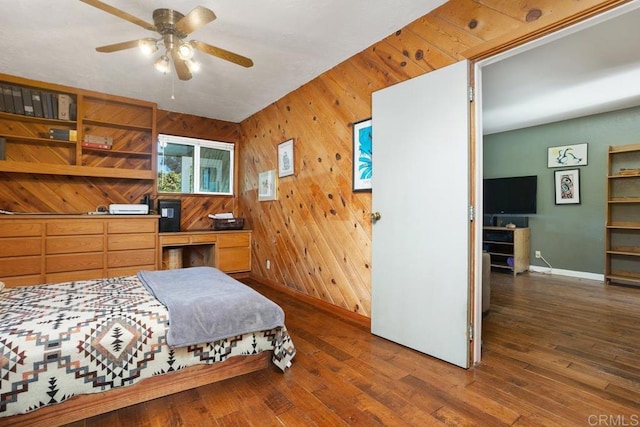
(421, 181)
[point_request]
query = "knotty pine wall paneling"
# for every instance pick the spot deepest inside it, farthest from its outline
(317, 234)
(195, 208)
(24, 192)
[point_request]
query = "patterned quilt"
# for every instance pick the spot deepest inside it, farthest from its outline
(61, 340)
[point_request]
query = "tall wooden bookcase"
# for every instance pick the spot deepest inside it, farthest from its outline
(622, 240)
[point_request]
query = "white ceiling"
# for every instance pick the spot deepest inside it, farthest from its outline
(290, 42)
(593, 70)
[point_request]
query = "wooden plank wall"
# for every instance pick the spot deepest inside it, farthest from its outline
(317, 235)
(23, 192)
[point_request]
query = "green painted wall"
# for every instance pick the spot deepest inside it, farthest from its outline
(570, 237)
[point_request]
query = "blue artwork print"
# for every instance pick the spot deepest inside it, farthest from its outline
(364, 148)
(362, 155)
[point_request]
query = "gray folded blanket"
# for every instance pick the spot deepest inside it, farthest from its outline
(206, 305)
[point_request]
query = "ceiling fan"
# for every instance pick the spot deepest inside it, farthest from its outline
(173, 28)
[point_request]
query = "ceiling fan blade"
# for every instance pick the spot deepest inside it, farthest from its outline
(222, 53)
(120, 14)
(181, 67)
(118, 46)
(197, 18)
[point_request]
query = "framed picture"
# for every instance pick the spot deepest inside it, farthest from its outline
(267, 186)
(285, 158)
(362, 155)
(567, 155)
(567, 186)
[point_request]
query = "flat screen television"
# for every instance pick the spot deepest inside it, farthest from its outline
(511, 195)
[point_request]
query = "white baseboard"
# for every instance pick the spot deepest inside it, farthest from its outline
(570, 273)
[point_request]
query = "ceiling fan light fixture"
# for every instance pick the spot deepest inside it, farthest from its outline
(173, 28)
(193, 65)
(148, 46)
(163, 65)
(185, 51)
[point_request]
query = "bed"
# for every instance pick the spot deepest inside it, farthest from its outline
(76, 349)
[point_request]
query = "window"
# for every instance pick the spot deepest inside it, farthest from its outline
(179, 157)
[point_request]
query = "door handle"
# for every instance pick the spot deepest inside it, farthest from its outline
(375, 216)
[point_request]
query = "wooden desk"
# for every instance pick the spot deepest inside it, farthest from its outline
(230, 251)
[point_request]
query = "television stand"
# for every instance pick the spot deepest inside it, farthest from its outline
(500, 220)
(509, 248)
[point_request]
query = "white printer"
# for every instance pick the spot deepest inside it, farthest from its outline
(125, 209)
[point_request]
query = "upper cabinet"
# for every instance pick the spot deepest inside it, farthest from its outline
(623, 215)
(59, 130)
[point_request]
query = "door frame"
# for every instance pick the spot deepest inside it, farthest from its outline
(486, 55)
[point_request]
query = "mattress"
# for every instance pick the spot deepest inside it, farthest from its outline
(66, 339)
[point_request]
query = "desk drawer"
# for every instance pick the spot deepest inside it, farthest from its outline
(129, 258)
(20, 246)
(69, 276)
(235, 240)
(19, 266)
(132, 225)
(174, 240)
(74, 244)
(15, 281)
(20, 229)
(74, 262)
(66, 228)
(204, 238)
(119, 242)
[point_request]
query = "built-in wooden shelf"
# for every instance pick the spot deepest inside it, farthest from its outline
(74, 170)
(129, 123)
(115, 125)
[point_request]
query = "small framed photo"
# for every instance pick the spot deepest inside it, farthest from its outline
(567, 155)
(267, 186)
(285, 158)
(362, 155)
(567, 186)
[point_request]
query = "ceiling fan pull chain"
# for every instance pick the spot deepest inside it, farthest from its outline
(173, 84)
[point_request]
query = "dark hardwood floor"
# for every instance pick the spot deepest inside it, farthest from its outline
(556, 351)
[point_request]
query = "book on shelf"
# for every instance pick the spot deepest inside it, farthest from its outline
(7, 95)
(64, 106)
(1, 100)
(107, 140)
(96, 145)
(3, 147)
(36, 100)
(47, 108)
(73, 111)
(27, 100)
(63, 134)
(54, 105)
(18, 105)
